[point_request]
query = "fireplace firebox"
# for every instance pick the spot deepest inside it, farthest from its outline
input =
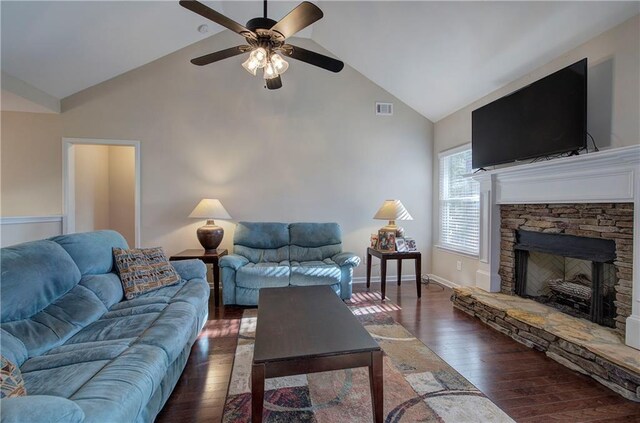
(571, 273)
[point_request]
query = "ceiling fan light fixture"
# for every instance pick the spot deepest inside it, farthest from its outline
(251, 66)
(260, 56)
(270, 71)
(279, 64)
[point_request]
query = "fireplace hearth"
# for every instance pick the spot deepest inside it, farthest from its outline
(573, 274)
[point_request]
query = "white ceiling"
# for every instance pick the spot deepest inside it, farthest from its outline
(435, 56)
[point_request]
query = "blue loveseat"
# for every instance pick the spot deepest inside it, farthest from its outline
(86, 354)
(268, 255)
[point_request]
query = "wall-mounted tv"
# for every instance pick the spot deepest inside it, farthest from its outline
(545, 118)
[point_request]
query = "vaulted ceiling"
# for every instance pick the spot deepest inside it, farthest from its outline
(435, 56)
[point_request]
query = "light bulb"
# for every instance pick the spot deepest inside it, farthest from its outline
(259, 55)
(279, 63)
(270, 71)
(251, 65)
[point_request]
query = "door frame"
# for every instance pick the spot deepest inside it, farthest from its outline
(68, 181)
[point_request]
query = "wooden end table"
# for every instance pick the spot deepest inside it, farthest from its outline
(206, 257)
(393, 255)
(309, 329)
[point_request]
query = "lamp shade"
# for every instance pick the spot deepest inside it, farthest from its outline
(392, 210)
(209, 209)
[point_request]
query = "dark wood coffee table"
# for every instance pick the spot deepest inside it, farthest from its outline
(305, 330)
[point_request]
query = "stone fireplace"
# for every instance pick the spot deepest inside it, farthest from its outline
(576, 258)
(560, 265)
(595, 197)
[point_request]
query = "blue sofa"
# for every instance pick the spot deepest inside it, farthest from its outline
(86, 354)
(268, 255)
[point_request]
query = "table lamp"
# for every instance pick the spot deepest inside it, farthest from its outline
(210, 235)
(393, 210)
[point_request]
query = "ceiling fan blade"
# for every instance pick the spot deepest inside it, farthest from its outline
(219, 55)
(312, 58)
(274, 83)
(216, 17)
(299, 18)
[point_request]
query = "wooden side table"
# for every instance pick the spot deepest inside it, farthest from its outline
(206, 257)
(392, 255)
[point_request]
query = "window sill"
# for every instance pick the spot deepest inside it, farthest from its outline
(458, 252)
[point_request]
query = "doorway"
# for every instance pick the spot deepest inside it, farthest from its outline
(101, 180)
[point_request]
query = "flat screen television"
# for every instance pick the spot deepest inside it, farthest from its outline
(545, 118)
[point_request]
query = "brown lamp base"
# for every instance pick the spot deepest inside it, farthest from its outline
(210, 236)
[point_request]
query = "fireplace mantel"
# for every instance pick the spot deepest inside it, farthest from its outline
(609, 176)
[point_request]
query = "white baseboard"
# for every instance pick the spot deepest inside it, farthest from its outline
(407, 278)
(442, 281)
(390, 278)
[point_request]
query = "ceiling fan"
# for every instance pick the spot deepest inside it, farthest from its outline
(265, 40)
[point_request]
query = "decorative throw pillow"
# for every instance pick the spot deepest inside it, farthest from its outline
(143, 270)
(12, 384)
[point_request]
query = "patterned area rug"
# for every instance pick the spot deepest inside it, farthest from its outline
(418, 385)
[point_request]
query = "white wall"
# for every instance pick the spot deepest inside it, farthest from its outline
(613, 110)
(311, 151)
(12, 233)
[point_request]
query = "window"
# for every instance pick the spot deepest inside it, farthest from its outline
(459, 203)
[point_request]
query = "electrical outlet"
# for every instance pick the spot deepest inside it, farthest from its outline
(459, 265)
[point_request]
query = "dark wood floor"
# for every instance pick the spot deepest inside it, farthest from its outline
(525, 383)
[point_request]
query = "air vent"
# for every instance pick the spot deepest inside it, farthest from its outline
(384, 109)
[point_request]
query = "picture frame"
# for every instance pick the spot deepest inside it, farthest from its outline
(374, 241)
(386, 240)
(401, 245)
(411, 244)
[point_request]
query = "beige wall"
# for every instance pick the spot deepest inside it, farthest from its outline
(91, 187)
(105, 189)
(311, 151)
(31, 164)
(122, 191)
(613, 110)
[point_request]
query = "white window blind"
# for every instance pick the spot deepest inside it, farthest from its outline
(459, 204)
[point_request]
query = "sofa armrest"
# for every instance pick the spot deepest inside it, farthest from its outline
(40, 409)
(234, 261)
(190, 269)
(346, 259)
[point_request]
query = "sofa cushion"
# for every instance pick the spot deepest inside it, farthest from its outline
(314, 234)
(144, 270)
(124, 386)
(115, 326)
(190, 269)
(314, 241)
(41, 409)
(262, 235)
(11, 382)
(107, 287)
(315, 273)
(257, 255)
(92, 251)
(58, 322)
(263, 275)
(196, 293)
(12, 348)
(172, 329)
(262, 242)
(34, 275)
